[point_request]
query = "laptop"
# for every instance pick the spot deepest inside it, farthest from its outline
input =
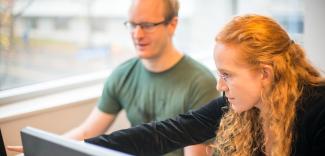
(2, 146)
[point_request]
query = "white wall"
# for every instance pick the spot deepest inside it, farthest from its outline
(314, 32)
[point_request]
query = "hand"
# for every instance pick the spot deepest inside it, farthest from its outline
(15, 149)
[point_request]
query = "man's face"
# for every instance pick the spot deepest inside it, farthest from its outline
(150, 44)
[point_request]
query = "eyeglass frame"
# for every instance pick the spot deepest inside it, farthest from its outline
(145, 25)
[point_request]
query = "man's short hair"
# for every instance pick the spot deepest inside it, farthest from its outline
(171, 9)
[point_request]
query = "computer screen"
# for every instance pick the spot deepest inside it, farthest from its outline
(37, 142)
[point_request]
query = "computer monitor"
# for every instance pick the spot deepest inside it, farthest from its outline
(37, 142)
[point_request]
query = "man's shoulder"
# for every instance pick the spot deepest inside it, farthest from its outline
(195, 70)
(195, 65)
(126, 66)
(121, 70)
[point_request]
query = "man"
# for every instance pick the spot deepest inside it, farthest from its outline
(160, 83)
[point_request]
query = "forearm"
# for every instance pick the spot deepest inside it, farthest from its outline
(198, 150)
(96, 123)
(76, 134)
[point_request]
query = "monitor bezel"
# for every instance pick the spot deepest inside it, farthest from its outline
(36, 141)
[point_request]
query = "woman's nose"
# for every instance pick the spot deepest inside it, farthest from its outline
(221, 85)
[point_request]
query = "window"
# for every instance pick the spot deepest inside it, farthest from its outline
(94, 38)
(61, 23)
(33, 23)
(288, 13)
(99, 25)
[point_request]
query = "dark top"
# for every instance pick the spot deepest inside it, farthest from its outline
(197, 126)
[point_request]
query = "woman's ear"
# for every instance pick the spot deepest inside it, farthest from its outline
(267, 74)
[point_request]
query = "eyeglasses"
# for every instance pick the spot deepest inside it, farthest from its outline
(145, 26)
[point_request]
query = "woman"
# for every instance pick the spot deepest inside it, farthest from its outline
(276, 100)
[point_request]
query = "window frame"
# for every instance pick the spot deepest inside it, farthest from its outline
(51, 87)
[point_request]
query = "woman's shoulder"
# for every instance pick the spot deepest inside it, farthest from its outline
(310, 121)
(313, 94)
(312, 104)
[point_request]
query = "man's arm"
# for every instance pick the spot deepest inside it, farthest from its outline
(198, 150)
(96, 123)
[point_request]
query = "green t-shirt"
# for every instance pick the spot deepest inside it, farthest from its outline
(148, 96)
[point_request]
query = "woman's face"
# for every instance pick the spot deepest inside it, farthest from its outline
(241, 84)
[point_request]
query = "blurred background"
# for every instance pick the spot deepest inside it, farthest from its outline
(45, 40)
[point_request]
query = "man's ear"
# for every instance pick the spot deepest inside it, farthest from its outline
(267, 74)
(172, 25)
